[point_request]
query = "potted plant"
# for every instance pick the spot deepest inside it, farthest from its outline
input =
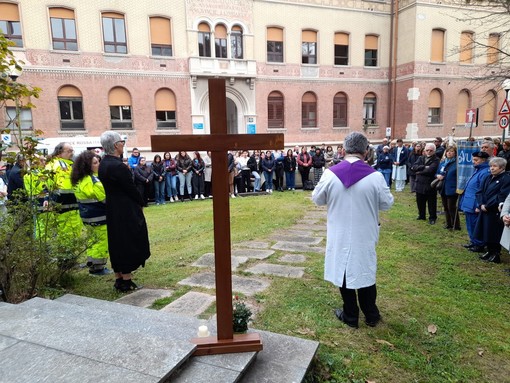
(241, 315)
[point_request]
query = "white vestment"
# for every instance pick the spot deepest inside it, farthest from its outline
(353, 226)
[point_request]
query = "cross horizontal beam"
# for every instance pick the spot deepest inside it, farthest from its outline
(216, 142)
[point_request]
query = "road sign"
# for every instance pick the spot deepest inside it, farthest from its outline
(471, 120)
(503, 121)
(505, 108)
(388, 132)
(6, 139)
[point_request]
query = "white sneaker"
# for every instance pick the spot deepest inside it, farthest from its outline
(233, 196)
(176, 198)
(202, 196)
(171, 199)
(196, 197)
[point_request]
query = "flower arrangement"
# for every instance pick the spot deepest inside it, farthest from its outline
(241, 315)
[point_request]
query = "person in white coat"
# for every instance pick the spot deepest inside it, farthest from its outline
(354, 193)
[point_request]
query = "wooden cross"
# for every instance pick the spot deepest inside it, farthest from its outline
(219, 142)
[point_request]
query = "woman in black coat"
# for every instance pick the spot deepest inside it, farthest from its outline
(492, 193)
(143, 179)
(425, 169)
(128, 238)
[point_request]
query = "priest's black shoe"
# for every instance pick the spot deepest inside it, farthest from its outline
(340, 315)
(432, 221)
(494, 258)
(373, 322)
(468, 245)
(477, 249)
(420, 219)
(486, 256)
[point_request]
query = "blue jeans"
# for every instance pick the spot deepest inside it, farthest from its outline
(185, 178)
(290, 180)
(269, 179)
(159, 191)
(256, 183)
(171, 185)
(387, 175)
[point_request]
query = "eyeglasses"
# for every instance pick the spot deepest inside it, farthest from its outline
(121, 142)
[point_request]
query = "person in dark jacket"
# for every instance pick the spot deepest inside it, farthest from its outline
(318, 163)
(15, 179)
(253, 166)
(490, 198)
(184, 173)
(425, 169)
(158, 175)
(289, 166)
(304, 161)
(128, 238)
(384, 164)
(268, 165)
(447, 172)
(416, 153)
(505, 153)
(198, 166)
(279, 171)
(143, 179)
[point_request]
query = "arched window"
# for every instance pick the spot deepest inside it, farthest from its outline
(161, 36)
(236, 42)
(275, 45)
(10, 23)
(165, 109)
(220, 41)
(309, 47)
(17, 112)
(70, 101)
(466, 48)
(371, 49)
(463, 103)
(489, 106)
(309, 110)
(369, 109)
(341, 49)
(204, 40)
(114, 33)
(435, 102)
(340, 110)
(63, 29)
(119, 100)
(275, 111)
(437, 46)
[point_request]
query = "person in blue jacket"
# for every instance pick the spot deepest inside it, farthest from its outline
(468, 203)
(447, 172)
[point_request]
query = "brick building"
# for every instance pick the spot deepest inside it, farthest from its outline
(312, 69)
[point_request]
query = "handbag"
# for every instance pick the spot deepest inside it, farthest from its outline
(436, 184)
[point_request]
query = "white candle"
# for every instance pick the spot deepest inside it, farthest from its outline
(203, 332)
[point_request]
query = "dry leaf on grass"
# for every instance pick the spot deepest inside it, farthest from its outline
(480, 351)
(432, 328)
(305, 331)
(370, 381)
(385, 342)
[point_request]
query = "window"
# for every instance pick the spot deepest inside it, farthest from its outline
(435, 101)
(9, 23)
(493, 49)
(220, 41)
(371, 46)
(340, 110)
(165, 109)
(463, 103)
(369, 109)
(63, 29)
(204, 40)
(161, 36)
(25, 118)
(119, 100)
(71, 108)
(275, 111)
(309, 47)
(341, 49)
(309, 110)
(466, 48)
(275, 45)
(489, 107)
(114, 33)
(236, 42)
(437, 46)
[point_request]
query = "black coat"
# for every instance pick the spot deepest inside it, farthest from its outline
(425, 169)
(128, 238)
(493, 191)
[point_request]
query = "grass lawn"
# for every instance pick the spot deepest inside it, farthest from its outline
(425, 278)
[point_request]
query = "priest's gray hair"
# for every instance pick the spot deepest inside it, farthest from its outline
(108, 140)
(356, 143)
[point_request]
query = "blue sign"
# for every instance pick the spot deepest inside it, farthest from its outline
(251, 128)
(198, 125)
(465, 168)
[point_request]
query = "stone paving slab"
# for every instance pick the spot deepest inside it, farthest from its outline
(144, 297)
(191, 304)
(315, 214)
(253, 244)
(297, 238)
(252, 253)
(278, 270)
(27, 362)
(297, 247)
(298, 233)
(207, 260)
(313, 227)
(6, 342)
(245, 285)
(293, 258)
(59, 330)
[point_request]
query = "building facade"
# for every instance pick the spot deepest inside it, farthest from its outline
(314, 70)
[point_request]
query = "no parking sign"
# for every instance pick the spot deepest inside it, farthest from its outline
(6, 139)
